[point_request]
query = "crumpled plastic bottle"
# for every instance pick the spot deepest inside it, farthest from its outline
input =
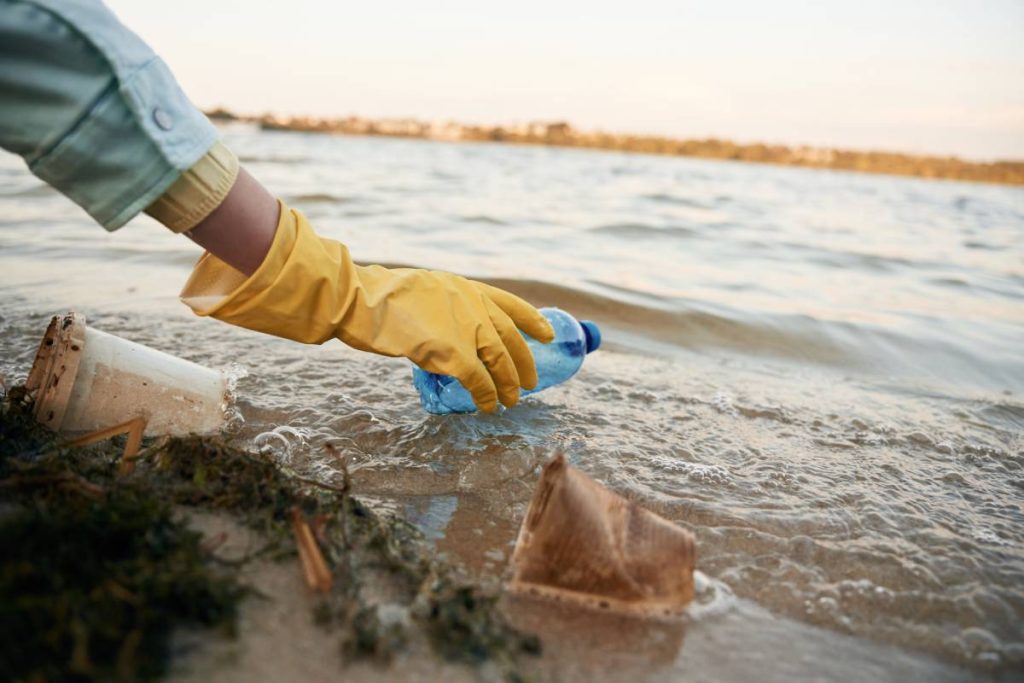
(556, 362)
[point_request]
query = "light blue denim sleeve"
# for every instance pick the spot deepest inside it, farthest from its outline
(91, 109)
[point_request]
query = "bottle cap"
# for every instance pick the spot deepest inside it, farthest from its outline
(592, 334)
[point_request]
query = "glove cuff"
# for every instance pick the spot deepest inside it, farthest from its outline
(214, 284)
(298, 292)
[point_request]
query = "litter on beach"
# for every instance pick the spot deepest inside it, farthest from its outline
(582, 543)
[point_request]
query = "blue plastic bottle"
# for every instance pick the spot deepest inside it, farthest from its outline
(556, 362)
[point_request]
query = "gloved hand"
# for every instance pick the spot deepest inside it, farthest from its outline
(308, 289)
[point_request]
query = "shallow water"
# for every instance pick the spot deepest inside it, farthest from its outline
(818, 373)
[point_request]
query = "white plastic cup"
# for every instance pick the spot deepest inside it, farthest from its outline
(83, 380)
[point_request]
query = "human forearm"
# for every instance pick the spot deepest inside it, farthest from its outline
(240, 230)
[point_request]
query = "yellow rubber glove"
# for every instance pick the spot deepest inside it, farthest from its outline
(308, 289)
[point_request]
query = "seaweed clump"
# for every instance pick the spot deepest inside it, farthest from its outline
(96, 571)
(99, 569)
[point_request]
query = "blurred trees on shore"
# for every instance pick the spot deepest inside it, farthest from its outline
(562, 134)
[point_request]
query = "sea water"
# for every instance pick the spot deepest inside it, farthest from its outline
(819, 373)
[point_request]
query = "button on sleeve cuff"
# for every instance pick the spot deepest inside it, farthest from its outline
(118, 160)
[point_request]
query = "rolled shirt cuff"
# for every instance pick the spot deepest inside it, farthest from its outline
(198, 191)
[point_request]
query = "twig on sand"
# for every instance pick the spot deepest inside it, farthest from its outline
(314, 567)
(134, 428)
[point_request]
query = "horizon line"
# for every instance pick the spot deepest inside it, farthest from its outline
(561, 133)
(253, 117)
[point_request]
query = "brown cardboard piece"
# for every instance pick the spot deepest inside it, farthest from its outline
(582, 543)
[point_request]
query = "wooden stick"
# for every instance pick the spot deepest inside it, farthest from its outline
(134, 428)
(314, 567)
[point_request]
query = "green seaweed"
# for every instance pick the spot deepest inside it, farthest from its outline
(99, 569)
(96, 572)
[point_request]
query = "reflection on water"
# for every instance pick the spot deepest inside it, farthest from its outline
(818, 373)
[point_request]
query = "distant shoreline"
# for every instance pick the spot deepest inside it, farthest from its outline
(561, 134)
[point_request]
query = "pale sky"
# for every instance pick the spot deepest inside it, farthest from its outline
(939, 76)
